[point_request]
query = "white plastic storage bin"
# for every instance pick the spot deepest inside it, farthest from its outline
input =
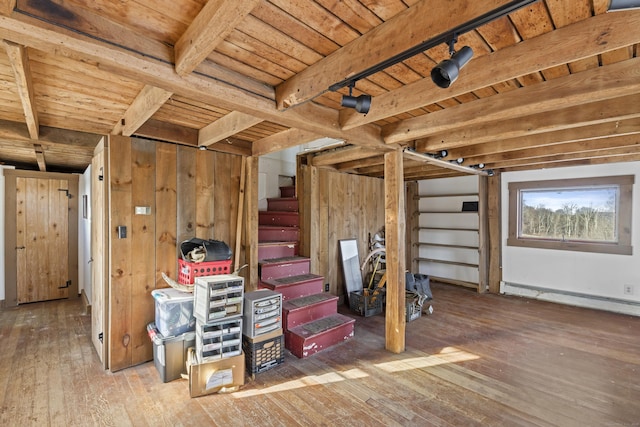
(217, 340)
(262, 312)
(218, 297)
(174, 312)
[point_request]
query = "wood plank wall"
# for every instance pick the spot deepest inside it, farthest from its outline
(190, 193)
(337, 206)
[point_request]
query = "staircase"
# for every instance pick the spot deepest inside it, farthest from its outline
(310, 317)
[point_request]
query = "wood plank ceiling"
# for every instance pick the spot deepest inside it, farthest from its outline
(554, 83)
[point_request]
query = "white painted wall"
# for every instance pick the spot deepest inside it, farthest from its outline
(84, 234)
(566, 276)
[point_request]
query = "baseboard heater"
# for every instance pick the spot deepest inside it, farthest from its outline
(571, 298)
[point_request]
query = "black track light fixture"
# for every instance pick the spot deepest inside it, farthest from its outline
(438, 155)
(361, 103)
(447, 71)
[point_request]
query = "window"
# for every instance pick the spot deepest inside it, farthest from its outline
(584, 214)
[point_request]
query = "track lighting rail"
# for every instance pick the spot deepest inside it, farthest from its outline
(428, 44)
(412, 154)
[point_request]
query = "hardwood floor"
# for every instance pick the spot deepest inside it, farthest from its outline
(478, 360)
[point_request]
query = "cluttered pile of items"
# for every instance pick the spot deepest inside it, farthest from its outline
(369, 297)
(207, 329)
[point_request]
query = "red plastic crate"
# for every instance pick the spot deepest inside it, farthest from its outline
(188, 271)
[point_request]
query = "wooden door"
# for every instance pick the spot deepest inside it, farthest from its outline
(42, 239)
(99, 253)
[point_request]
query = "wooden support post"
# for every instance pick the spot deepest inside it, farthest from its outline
(306, 206)
(251, 226)
(413, 224)
(494, 216)
(236, 250)
(395, 219)
(483, 232)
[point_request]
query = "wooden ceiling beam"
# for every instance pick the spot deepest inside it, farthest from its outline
(433, 174)
(420, 22)
(17, 132)
(148, 101)
(181, 135)
(576, 148)
(164, 131)
(609, 112)
(343, 154)
(42, 165)
(310, 117)
(374, 170)
(573, 162)
(620, 153)
(225, 127)
(210, 27)
(593, 36)
(22, 71)
(586, 133)
(360, 163)
(283, 140)
(233, 146)
(601, 83)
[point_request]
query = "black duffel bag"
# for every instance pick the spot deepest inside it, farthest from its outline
(200, 250)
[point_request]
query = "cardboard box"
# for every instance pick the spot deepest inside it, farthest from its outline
(219, 376)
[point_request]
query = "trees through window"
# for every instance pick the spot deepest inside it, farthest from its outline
(592, 215)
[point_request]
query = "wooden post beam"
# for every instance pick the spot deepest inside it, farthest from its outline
(212, 25)
(251, 225)
(395, 218)
(148, 101)
(22, 72)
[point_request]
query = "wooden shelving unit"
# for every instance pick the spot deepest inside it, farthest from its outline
(445, 245)
(452, 238)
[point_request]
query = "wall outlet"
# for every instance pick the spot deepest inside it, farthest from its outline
(628, 289)
(326, 287)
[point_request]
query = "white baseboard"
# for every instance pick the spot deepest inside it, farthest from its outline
(571, 298)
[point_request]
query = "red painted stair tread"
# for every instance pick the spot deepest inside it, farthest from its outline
(292, 280)
(288, 191)
(271, 250)
(277, 268)
(294, 286)
(275, 233)
(283, 204)
(285, 219)
(312, 337)
(306, 309)
(308, 300)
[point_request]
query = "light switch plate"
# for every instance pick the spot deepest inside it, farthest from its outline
(143, 210)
